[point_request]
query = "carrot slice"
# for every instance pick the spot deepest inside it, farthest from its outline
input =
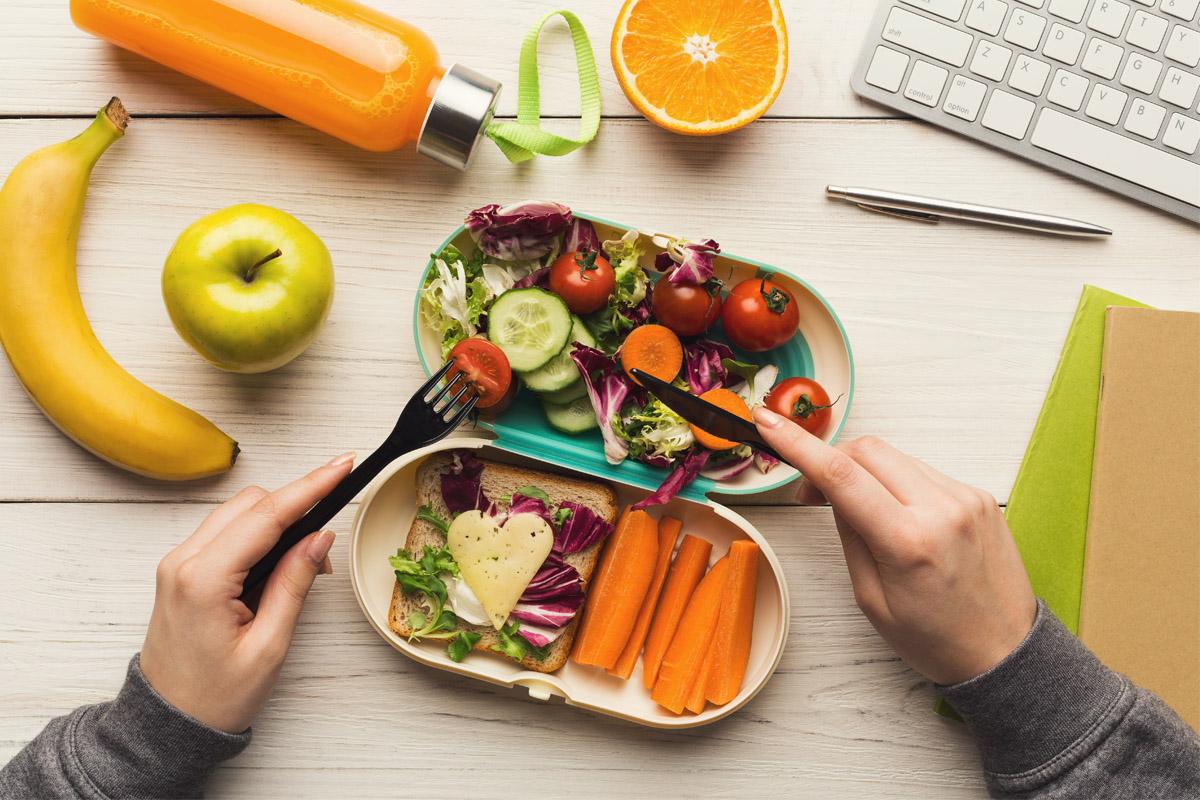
(686, 572)
(727, 400)
(654, 349)
(618, 590)
(668, 530)
(731, 642)
(685, 657)
(697, 701)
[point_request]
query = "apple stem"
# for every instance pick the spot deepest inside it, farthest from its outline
(250, 273)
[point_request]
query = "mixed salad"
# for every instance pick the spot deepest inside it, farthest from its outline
(542, 302)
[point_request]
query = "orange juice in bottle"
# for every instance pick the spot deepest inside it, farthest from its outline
(337, 65)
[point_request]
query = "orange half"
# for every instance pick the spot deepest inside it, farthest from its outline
(700, 67)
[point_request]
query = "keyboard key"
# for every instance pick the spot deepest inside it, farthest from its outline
(1183, 133)
(1106, 104)
(1113, 153)
(1184, 45)
(1183, 9)
(927, 37)
(1145, 119)
(1102, 58)
(1025, 29)
(1008, 114)
(887, 69)
(1179, 87)
(1063, 44)
(1068, 89)
(1029, 75)
(950, 9)
(988, 16)
(1069, 9)
(1108, 17)
(964, 98)
(991, 60)
(925, 84)
(1146, 31)
(1141, 73)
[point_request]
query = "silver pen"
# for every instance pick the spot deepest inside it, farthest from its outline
(929, 209)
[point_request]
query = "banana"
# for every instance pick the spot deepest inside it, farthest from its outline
(49, 342)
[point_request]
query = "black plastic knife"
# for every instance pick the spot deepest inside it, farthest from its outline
(705, 416)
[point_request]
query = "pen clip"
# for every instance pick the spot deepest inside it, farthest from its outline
(899, 212)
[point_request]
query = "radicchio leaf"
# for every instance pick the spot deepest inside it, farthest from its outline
(692, 261)
(581, 237)
(702, 365)
(461, 488)
(539, 278)
(728, 469)
(684, 473)
(552, 597)
(581, 530)
(607, 387)
(538, 635)
(764, 462)
(521, 231)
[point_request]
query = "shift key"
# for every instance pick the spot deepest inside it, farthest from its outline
(927, 37)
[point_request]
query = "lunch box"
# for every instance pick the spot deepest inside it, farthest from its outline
(522, 436)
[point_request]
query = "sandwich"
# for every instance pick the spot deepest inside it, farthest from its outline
(498, 559)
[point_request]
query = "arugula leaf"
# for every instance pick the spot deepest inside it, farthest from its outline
(534, 492)
(561, 516)
(516, 646)
(423, 576)
(427, 513)
(461, 644)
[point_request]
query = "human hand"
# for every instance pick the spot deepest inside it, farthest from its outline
(932, 561)
(206, 652)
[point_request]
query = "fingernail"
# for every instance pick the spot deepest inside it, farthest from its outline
(318, 548)
(767, 418)
(344, 458)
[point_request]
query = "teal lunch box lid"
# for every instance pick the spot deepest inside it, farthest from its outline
(820, 350)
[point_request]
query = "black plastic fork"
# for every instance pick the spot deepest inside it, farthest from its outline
(422, 422)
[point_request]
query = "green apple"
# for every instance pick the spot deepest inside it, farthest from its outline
(248, 287)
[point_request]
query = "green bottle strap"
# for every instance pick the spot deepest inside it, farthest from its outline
(524, 139)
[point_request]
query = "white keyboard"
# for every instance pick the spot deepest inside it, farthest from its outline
(1105, 90)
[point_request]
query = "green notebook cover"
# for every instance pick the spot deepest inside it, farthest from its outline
(1048, 506)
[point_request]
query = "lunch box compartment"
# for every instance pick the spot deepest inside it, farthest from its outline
(381, 527)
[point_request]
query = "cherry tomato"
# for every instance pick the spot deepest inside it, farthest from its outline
(491, 413)
(584, 280)
(686, 308)
(759, 315)
(485, 367)
(804, 402)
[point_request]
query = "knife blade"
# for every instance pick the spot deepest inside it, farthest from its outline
(706, 416)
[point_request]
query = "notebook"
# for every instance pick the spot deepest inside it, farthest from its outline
(1140, 608)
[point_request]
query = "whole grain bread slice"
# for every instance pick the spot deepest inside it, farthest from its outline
(499, 481)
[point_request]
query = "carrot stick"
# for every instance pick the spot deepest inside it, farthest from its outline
(685, 657)
(731, 642)
(618, 590)
(668, 530)
(696, 701)
(686, 572)
(654, 349)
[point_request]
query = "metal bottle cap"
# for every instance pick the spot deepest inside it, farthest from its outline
(461, 109)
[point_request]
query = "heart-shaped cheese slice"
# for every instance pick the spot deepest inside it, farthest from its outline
(499, 562)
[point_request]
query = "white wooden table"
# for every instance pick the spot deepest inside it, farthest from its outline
(956, 331)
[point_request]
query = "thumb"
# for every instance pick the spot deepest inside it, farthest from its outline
(285, 591)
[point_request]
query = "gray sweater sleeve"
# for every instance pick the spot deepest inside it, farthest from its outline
(138, 745)
(1053, 722)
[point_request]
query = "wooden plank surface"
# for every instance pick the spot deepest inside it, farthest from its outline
(76, 72)
(842, 716)
(956, 329)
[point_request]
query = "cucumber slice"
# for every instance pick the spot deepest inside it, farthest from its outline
(576, 417)
(563, 397)
(561, 372)
(530, 326)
